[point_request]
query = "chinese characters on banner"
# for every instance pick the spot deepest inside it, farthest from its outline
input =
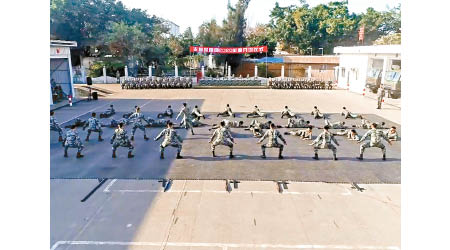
(232, 50)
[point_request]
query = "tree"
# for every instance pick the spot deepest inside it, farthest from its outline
(395, 38)
(258, 36)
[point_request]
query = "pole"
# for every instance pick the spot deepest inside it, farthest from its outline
(267, 68)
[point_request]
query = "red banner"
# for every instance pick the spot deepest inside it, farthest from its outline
(361, 33)
(228, 50)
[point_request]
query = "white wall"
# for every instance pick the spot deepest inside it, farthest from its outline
(355, 72)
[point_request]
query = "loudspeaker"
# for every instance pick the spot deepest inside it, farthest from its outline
(89, 80)
(94, 96)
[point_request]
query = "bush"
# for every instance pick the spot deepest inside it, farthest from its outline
(96, 68)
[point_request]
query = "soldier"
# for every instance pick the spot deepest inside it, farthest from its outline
(196, 123)
(114, 123)
(380, 95)
(196, 113)
(109, 112)
(229, 124)
(348, 114)
(391, 134)
(323, 141)
(227, 112)
(375, 141)
(335, 125)
(72, 140)
(168, 112)
(171, 138)
(351, 134)
(78, 122)
(256, 127)
(316, 113)
(222, 136)
(137, 123)
(273, 136)
(120, 139)
(187, 119)
(287, 112)
(127, 115)
(256, 113)
(366, 124)
(305, 134)
(293, 123)
(54, 126)
(160, 123)
(93, 125)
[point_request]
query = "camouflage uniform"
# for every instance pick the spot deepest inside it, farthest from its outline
(160, 123)
(380, 95)
(54, 126)
(227, 112)
(196, 123)
(168, 112)
(375, 140)
(120, 139)
(316, 113)
(348, 133)
(294, 123)
(348, 114)
(187, 119)
(72, 141)
(221, 136)
(287, 112)
(93, 125)
(256, 128)
(303, 133)
(171, 138)
(137, 118)
(391, 135)
(256, 113)
(197, 114)
(272, 135)
(323, 141)
(109, 112)
(335, 125)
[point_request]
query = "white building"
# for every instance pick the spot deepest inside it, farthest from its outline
(61, 66)
(356, 62)
(174, 29)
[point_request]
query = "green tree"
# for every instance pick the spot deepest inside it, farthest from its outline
(125, 41)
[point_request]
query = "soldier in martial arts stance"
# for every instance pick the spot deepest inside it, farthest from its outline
(171, 138)
(347, 114)
(221, 136)
(316, 113)
(375, 141)
(323, 141)
(54, 126)
(187, 119)
(120, 139)
(305, 134)
(273, 136)
(168, 112)
(72, 140)
(196, 114)
(137, 119)
(227, 112)
(256, 113)
(93, 125)
(287, 112)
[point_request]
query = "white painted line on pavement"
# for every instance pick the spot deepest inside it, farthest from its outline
(87, 112)
(218, 245)
(106, 190)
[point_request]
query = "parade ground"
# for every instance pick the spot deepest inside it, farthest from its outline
(201, 202)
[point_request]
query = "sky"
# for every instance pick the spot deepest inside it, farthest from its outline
(192, 13)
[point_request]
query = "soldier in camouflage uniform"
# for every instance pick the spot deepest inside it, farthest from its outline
(109, 112)
(347, 114)
(196, 114)
(120, 139)
(316, 113)
(137, 118)
(305, 134)
(168, 112)
(272, 134)
(380, 96)
(256, 113)
(351, 134)
(127, 115)
(72, 140)
(54, 126)
(335, 125)
(222, 136)
(375, 141)
(287, 112)
(93, 125)
(293, 123)
(366, 124)
(227, 112)
(171, 138)
(160, 123)
(323, 141)
(187, 119)
(229, 124)
(391, 134)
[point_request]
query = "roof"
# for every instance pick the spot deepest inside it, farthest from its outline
(312, 59)
(62, 43)
(376, 49)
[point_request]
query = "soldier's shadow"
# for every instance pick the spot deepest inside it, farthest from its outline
(379, 160)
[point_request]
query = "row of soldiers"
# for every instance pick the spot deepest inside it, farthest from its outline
(222, 132)
(300, 83)
(157, 83)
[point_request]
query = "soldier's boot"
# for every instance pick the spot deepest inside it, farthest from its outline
(130, 155)
(218, 115)
(263, 155)
(234, 115)
(114, 154)
(286, 133)
(360, 157)
(384, 157)
(192, 131)
(132, 138)
(231, 155)
(335, 157)
(214, 153)
(161, 156)
(60, 138)
(65, 153)
(100, 138)
(146, 138)
(179, 156)
(280, 156)
(79, 155)
(87, 138)
(316, 156)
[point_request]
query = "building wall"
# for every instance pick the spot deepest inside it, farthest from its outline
(294, 70)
